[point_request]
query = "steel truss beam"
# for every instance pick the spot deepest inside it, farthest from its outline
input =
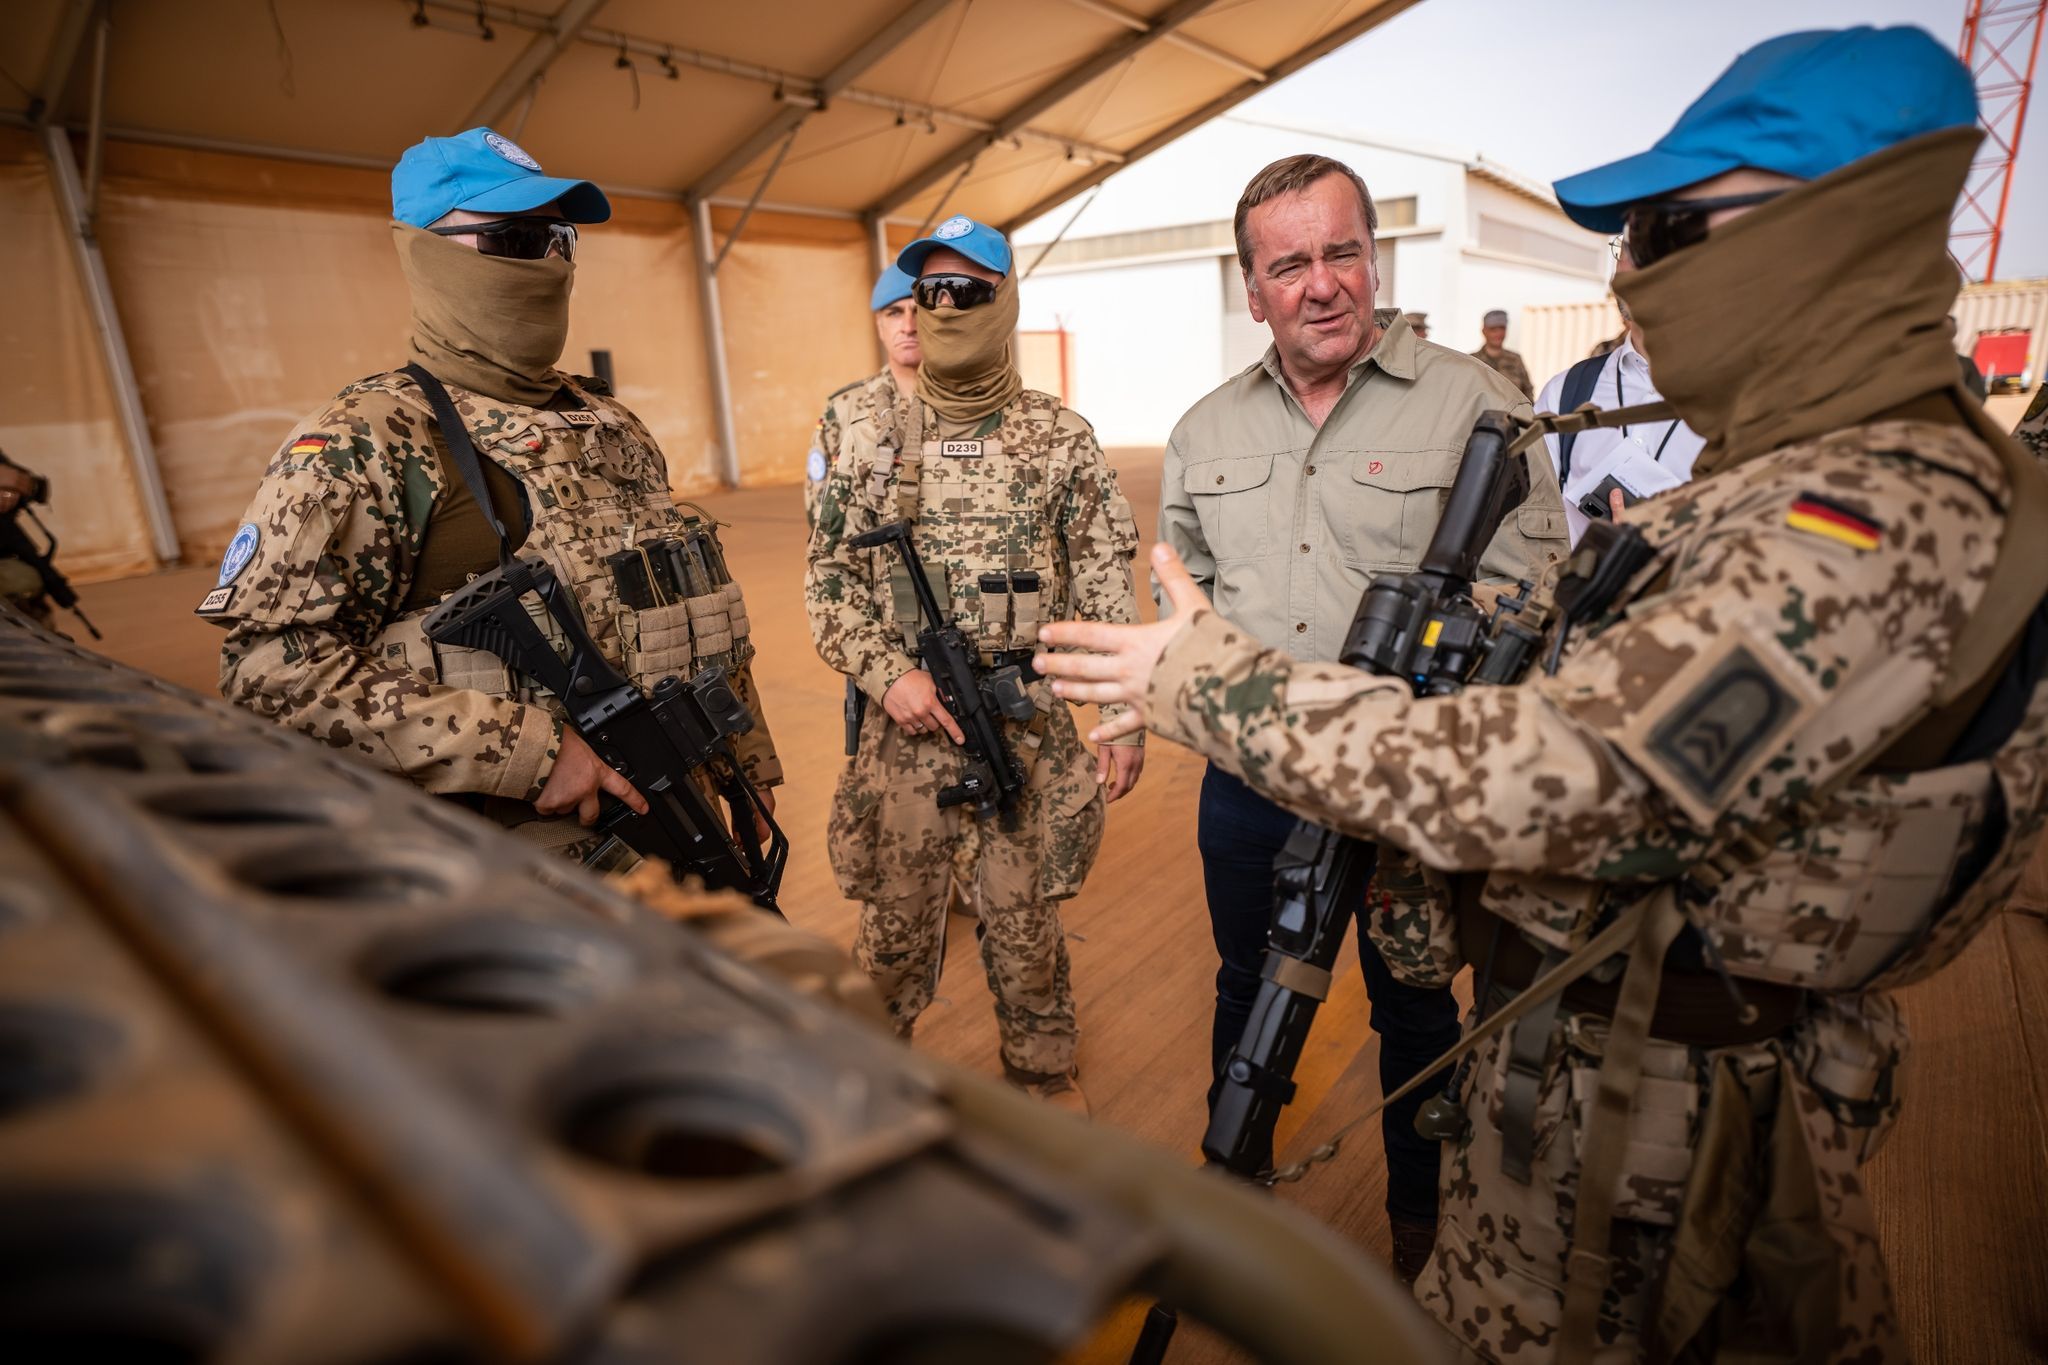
(1222, 104)
(524, 75)
(1075, 80)
(792, 87)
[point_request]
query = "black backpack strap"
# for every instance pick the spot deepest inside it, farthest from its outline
(1579, 382)
(464, 452)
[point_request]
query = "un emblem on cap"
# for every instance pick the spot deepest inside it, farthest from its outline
(511, 151)
(956, 226)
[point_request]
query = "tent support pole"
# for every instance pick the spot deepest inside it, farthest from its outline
(714, 340)
(99, 295)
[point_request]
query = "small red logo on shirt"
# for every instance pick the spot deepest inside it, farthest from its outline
(1374, 467)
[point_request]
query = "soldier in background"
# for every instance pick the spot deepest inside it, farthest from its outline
(896, 329)
(364, 519)
(1800, 746)
(896, 386)
(1418, 323)
(1493, 351)
(20, 584)
(1018, 515)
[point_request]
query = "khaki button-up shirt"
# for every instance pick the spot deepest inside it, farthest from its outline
(1283, 524)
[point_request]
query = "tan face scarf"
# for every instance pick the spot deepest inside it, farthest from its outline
(1821, 309)
(486, 323)
(968, 370)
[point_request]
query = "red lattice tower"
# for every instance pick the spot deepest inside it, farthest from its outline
(2000, 45)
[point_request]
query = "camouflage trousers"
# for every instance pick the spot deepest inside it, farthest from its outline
(1739, 1220)
(896, 851)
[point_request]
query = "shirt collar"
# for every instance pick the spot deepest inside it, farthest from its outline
(1636, 367)
(1394, 352)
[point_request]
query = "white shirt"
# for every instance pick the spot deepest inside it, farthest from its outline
(1672, 446)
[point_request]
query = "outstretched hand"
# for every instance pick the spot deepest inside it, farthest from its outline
(1119, 666)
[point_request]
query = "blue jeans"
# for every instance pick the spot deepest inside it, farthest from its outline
(1239, 833)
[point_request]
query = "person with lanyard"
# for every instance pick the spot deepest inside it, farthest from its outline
(408, 484)
(1018, 519)
(1607, 469)
(1789, 752)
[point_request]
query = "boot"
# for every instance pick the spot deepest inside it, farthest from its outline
(1060, 1089)
(1412, 1245)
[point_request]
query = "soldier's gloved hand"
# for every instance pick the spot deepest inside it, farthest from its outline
(1120, 666)
(579, 775)
(1117, 767)
(912, 701)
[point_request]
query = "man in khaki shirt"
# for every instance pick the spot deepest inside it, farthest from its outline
(1285, 490)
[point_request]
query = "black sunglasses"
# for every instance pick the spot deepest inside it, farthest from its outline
(960, 291)
(1657, 227)
(521, 239)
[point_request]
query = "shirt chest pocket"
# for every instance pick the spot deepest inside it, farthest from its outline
(1233, 499)
(1390, 506)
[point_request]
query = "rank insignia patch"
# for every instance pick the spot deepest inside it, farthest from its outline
(1830, 520)
(308, 445)
(1718, 721)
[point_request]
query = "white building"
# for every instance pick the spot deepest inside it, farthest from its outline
(1146, 289)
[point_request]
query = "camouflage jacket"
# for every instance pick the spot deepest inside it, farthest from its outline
(846, 406)
(314, 584)
(1509, 366)
(1027, 490)
(1802, 606)
(2032, 432)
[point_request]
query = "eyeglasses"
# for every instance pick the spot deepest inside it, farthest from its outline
(959, 291)
(1655, 228)
(521, 239)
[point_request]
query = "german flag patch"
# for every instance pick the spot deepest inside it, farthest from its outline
(1830, 520)
(308, 445)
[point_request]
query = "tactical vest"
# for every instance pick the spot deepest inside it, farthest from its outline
(985, 508)
(595, 486)
(1886, 887)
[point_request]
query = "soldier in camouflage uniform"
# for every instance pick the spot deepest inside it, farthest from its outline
(1019, 519)
(1798, 741)
(363, 522)
(20, 584)
(895, 385)
(1494, 353)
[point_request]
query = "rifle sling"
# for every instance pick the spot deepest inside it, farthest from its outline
(463, 451)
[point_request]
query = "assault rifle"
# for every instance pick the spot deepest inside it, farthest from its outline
(657, 742)
(991, 778)
(1425, 628)
(16, 543)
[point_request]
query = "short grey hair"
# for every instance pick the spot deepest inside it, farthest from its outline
(1292, 175)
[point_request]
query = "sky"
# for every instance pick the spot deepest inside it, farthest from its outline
(1559, 87)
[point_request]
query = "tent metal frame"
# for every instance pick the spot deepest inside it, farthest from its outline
(798, 96)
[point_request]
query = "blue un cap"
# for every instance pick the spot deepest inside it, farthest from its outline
(485, 173)
(1802, 105)
(892, 286)
(978, 242)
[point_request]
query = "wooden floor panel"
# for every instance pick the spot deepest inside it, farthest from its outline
(1960, 1189)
